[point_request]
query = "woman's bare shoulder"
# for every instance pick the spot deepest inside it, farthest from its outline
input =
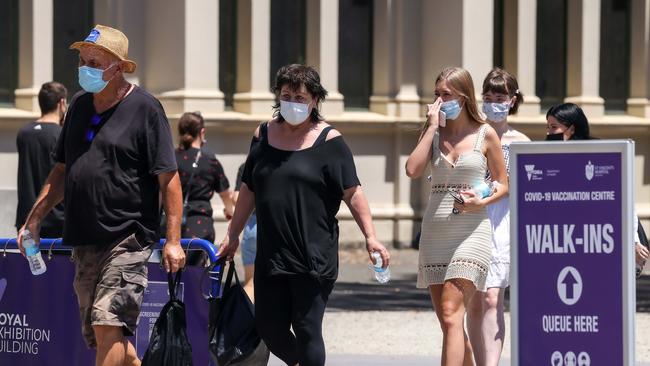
(332, 133)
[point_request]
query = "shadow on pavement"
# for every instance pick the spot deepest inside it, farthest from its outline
(401, 295)
(397, 295)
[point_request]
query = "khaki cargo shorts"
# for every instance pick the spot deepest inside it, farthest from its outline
(109, 283)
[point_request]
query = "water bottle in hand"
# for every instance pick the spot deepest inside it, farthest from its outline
(381, 274)
(33, 254)
(483, 189)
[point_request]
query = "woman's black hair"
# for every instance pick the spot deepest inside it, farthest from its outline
(296, 75)
(569, 115)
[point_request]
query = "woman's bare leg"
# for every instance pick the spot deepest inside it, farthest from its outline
(450, 301)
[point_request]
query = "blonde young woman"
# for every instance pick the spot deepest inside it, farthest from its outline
(485, 316)
(455, 244)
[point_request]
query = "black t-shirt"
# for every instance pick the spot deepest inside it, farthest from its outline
(111, 183)
(297, 196)
(240, 172)
(36, 142)
(208, 178)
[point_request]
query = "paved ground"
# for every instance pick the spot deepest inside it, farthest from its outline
(394, 324)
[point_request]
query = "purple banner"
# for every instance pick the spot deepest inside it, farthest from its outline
(39, 316)
(570, 298)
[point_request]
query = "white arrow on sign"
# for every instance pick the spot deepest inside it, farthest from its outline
(569, 285)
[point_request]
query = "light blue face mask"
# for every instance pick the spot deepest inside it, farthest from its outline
(451, 109)
(91, 79)
(496, 112)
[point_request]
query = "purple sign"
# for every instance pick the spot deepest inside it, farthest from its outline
(569, 259)
(39, 316)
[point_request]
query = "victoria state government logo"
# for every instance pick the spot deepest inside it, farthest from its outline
(532, 173)
(589, 170)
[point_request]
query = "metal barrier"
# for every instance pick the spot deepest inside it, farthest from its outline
(49, 245)
(29, 335)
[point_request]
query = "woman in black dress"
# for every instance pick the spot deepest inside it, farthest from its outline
(201, 175)
(297, 173)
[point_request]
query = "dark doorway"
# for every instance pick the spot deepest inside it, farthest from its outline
(550, 73)
(73, 20)
(288, 33)
(8, 50)
(499, 25)
(615, 53)
(355, 52)
(228, 49)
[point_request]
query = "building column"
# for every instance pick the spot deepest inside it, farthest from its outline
(407, 58)
(638, 104)
(177, 31)
(323, 50)
(583, 56)
(35, 19)
(384, 86)
(467, 40)
(253, 94)
(520, 32)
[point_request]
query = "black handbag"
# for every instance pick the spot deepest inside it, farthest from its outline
(168, 344)
(233, 338)
(642, 236)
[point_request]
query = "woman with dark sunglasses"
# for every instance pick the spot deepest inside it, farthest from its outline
(566, 122)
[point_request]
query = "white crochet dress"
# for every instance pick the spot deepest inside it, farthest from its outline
(454, 246)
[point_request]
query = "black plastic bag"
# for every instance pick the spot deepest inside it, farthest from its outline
(233, 337)
(642, 236)
(168, 344)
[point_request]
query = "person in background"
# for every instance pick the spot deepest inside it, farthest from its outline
(456, 238)
(36, 142)
(248, 242)
(485, 316)
(114, 168)
(566, 122)
(201, 175)
(298, 171)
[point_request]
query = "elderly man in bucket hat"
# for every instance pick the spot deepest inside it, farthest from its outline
(115, 160)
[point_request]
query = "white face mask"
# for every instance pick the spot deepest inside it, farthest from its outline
(294, 113)
(496, 112)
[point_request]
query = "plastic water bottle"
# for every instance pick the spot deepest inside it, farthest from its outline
(381, 274)
(33, 254)
(483, 189)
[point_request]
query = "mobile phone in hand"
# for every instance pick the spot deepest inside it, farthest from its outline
(442, 119)
(457, 196)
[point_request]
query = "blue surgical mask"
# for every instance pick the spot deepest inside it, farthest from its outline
(451, 109)
(91, 79)
(496, 112)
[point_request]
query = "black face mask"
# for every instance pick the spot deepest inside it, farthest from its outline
(555, 137)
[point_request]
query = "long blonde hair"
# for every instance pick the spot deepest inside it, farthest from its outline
(460, 81)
